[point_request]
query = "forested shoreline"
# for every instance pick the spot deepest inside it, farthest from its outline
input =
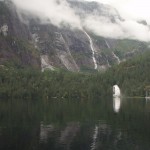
(50, 84)
(132, 77)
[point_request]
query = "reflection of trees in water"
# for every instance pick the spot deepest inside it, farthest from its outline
(68, 134)
(73, 125)
(62, 137)
(45, 131)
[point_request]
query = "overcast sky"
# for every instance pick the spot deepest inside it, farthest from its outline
(133, 9)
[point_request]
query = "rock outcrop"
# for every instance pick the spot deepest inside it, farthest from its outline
(46, 46)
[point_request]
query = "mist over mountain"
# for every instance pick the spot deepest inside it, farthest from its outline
(74, 75)
(102, 20)
(68, 34)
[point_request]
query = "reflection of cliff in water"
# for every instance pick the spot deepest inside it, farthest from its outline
(68, 134)
(75, 125)
(45, 131)
(107, 138)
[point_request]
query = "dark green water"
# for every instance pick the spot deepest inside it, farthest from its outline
(75, 124)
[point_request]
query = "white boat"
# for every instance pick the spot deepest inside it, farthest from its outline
(147, 95)
(147, 99)
(116, 91)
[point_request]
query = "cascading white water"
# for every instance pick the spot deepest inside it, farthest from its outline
(118, 59)
(107, 44)
(93, 146)
(92, 48)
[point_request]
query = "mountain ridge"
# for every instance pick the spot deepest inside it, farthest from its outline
(52, 47)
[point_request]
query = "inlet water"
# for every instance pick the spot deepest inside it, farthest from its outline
(57, 124)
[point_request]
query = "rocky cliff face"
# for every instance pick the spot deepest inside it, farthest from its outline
(15, 40)
(47, 46)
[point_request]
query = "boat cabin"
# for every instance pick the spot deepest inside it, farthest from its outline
(116, 90)
(147, 90)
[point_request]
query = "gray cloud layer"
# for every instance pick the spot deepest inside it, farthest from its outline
(59, 12)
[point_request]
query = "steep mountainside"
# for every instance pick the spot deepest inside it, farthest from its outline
(47, 46)
(15, 46)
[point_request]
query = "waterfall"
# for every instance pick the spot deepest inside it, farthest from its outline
(92, 48)
(107, 44)
(118, 59)
(93, 146)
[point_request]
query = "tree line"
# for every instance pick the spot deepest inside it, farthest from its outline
(132, 77)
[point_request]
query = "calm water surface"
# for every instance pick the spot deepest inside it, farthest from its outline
(101, 124)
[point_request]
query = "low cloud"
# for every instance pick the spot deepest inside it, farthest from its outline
(127, 29)
(56, 11)
(103, 26)
(59, 12)
(130, 9)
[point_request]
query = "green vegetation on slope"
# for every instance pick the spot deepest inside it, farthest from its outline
(34, 84)
(18, 53)
(132, 76)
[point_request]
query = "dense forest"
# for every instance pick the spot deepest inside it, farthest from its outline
(27, 83)
(132, 77)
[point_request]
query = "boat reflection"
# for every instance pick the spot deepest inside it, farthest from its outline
(116, 104)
